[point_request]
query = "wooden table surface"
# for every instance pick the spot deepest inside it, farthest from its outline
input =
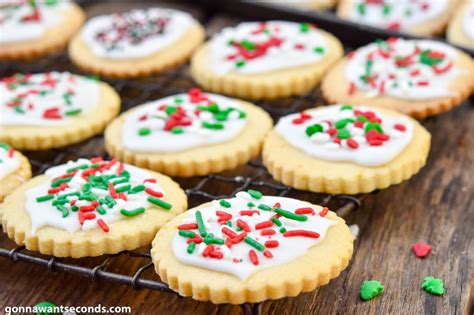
(435, 206)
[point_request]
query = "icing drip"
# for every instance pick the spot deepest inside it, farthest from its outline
(9, 161)
(258, 47)
(22, 20)
(250, 232)
(397, 14)
(408, 69)
(135, 34)
(183, 121)
(468, 21)
(347, 134)
(89, 194)
(46, 99)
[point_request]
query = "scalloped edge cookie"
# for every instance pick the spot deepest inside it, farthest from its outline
(201, 160)
(15, 179)
(54, 39)
(335, 90)
(297, 169)
(271, 85)
(126, 234)
(78, 129)
(317, 267)
(432, 27)
(455, 32)
(166, 58)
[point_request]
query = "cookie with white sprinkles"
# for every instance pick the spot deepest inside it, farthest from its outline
(54, 109)
(91, 207)
(136, 43)
(189, 134)
(265, 60)
(253, 247)
(34, 28)
(416, 77)
(345, 149)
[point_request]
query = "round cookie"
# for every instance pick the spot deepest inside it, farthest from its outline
(344, 149)
(417, 77)
(265, 60)
(189, 134)
(90, 208)
(425, 18)
(307, 4)
(35, 28)
(253, 247)
(50, 110)
(136, 43)
(461, 27)
(15, 169)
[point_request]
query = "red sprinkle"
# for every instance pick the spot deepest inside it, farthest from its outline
(264, 225)
(11, 152)
(217, 255)
(253, 257)
(87, 208)
(154, 193)
(400, 127)
(303, 233)
(188, 226)
(324, 211)
(248, 212)
(113, 192)
(209, 249)
(267, 254)
(352, 143)
(229, 232)
(103, 225)
(420, 249)
(197, 239)
(239, 238)
(272, 244)
(243, 225)
(352, 88)
(307, 210)
(150, 180)
(268, 232)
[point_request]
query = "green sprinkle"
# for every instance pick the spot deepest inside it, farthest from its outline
(264, 207)
(229, 223)
(341, 123)
(177, 130)
(255, 194)
(213, 108)
(250, 204)
(209, 125)
(88, 197)
(386, 9)
(44, 198)
(75, 168)
(64, 196)
(319, 50)
(362, 118)
(191, 247)
(311, 130)
(144, 131)
(239, 229)
(110, 200)
(282, 230)
(93, 77)
(132, 213)
(371, 126)
(290, 215)
(254, 243)
(304, 27)
(74, 208)
(343, 134)
(370, 289)
(63, 209)
(225, 203)
(185, 233)
(101, 210)
(123, 188)
(276, 221)
(240, 63)
(160, 203)
(178, 100)
(361, 8)
(346, 107)
(212, 240)
(222, 116)
(408, 12)
(200, 223)
(433, 285)
(60, 202)
(247, 45)
(425, 58)
(137, 189)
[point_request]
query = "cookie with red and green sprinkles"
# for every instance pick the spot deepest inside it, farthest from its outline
(426, 18)
(91, 207)
(15, 169)
(265, 60)
(345, 149)
(49, 110)
(253, 247)
(33, 28)
(417, 77)
(189, 134)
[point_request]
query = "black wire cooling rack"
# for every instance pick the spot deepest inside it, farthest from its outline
(198, 189)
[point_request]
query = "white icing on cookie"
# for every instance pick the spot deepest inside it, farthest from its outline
(237, 260)
(44, 213)
(46, 99)
(259, 47)
(9, 161)
(135, 34)
(468, 21)
(396, 14)
(332, 141)
(407, 69)
(22, 20)
(183, 121)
